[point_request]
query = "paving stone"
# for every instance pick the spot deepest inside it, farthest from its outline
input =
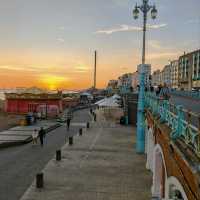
(101, 165)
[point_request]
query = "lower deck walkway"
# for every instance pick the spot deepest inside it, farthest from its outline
(101, 165)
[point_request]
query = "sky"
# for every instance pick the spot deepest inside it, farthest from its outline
(51, 43)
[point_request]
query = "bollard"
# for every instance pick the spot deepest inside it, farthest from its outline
(88, 125)
(80, 131)
(39, 180)
(95, 117)
(70, 140)
(58, 155)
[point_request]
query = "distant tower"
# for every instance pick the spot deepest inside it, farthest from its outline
(95, 68)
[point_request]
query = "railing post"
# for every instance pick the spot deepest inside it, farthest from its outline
(167, 110)
(198, 138)
(180, 119)
(163, 111)
(187, 135)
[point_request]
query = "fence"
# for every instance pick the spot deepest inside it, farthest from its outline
(184, 124)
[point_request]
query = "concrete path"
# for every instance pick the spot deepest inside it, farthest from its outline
(101, 165)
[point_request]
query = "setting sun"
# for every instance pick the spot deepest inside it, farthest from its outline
(52, 82)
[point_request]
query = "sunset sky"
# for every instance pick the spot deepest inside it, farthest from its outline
(51, 43)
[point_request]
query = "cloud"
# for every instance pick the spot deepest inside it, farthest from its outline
(124, 68)
(81, 69)
(193, 21)
(61, 40)
(62, 28)
(126, 28)
(20, 68)
(156, 26)
(164, 55)
(155, 44)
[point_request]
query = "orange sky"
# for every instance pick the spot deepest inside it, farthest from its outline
(57, 70)
(51, 44)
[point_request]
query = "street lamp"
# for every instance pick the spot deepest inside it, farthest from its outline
(145, 8)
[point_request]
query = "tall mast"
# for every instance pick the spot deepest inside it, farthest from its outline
(95, 68)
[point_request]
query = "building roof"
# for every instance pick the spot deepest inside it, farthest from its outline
(33, 93)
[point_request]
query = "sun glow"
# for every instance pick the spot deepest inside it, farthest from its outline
(53, 82)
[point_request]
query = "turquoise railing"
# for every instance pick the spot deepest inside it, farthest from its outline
(183, 123)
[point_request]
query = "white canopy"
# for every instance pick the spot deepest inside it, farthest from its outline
(100, 101)
(108, 102)
(116, 96)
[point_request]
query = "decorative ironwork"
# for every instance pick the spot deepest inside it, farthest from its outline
(182, 122)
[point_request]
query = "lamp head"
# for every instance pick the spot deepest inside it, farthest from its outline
(136, 12)
(154, 12)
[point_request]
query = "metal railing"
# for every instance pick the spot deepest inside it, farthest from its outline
(184, 124)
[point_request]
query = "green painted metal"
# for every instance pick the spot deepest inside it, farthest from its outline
(175, 118)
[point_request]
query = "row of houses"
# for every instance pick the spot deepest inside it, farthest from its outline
(183, 73)
(129, 81)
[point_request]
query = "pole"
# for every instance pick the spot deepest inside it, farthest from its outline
(95, 68)
(144, 32)
(140, 145)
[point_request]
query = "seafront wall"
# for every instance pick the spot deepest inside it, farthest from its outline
(174, 166)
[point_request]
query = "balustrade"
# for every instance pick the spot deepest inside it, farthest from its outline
(182, 122)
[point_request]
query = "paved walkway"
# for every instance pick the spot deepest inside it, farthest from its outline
(101, 165)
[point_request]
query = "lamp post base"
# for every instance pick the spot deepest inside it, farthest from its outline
(140, 145)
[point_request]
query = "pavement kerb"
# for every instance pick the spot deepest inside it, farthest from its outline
(56, 163)
(28, 140)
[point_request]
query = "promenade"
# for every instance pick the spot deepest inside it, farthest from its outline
(101, 165)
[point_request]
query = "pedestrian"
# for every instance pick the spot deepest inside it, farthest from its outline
(42, 134)
(69, 118)
(165, 93)
(34, 136)
(158, 90)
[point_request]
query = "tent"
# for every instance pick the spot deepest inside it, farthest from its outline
(108, 102)
(116, 96)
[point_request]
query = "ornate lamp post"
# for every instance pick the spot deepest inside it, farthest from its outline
(144, 8)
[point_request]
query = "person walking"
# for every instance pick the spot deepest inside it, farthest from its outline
(34, 137)
(158, 90)
(42, 134)
(165, 92)
(69, 118)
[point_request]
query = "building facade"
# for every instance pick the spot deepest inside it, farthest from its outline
(174, 73)
(189, 70)
(125, 83)
(112, 86)
(196, 69)
(34, 100)
(156, 78)
(147, 71)
(135, 80)
(166, 75)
